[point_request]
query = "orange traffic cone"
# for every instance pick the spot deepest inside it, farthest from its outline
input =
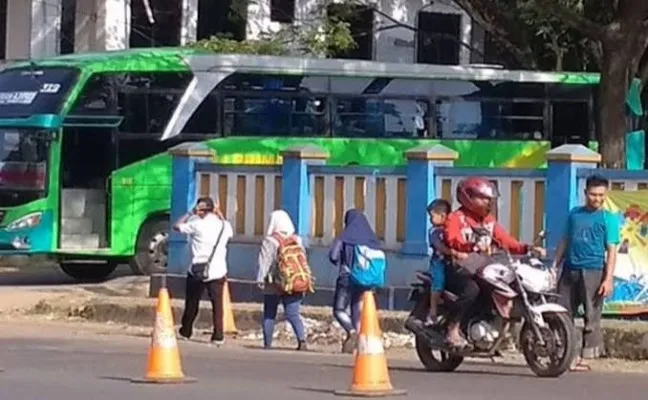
(164, 364)
(229, 325)
(370, 373)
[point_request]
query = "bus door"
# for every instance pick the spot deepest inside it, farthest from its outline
(87, 160)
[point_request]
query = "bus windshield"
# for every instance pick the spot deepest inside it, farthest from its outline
(23, 165)
(28, 91)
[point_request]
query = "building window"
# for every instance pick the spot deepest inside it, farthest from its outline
(68, 22)
(282, 11)
(3, 29)
(221, 18)
(438, 38)
(166, 29)
(361, 23)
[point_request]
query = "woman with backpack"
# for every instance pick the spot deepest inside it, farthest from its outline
(280, 242)
(347, 303)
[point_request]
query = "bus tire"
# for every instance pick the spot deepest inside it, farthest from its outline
(90, 273)
(151, 251)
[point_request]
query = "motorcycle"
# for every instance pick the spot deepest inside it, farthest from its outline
(512, 291)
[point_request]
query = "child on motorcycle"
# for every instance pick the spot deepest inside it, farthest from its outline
(473, 229)
(438, 211)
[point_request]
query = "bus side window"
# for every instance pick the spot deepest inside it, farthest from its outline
(570, 123)
(357, 116)
(99, 97)
(490, 119)
(490, 110)
(204, 121)
(150, 99)
(280, 115)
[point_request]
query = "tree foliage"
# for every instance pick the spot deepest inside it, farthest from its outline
(611, 36)
(314, 36)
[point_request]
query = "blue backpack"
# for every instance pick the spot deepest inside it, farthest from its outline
(368, 269)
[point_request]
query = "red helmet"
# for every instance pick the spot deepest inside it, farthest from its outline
(471, 188)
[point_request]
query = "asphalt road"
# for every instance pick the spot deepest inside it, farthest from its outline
(57, 364)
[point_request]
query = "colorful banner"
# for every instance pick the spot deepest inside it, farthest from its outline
(630, 294)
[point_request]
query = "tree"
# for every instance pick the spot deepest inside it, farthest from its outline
(612, 35)
(619, 31)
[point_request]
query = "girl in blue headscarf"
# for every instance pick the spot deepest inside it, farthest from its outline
(348, 297)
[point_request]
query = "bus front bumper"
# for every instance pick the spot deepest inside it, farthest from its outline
(33, 240)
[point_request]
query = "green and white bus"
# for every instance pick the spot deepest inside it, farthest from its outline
(84, 172)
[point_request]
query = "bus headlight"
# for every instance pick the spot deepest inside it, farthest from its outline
(25, 222)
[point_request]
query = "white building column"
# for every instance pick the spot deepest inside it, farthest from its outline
(33, 28)
(85, 30)
(102, 25)
(258, 20)
(113, 21)
(189, 29)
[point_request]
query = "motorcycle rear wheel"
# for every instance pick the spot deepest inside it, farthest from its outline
(560, 326)
(445, 363)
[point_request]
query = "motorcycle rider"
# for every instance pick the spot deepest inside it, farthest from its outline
(473, 229)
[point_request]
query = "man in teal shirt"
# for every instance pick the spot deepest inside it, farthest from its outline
(588, 254)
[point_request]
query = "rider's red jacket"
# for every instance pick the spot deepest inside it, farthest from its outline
(460, 235)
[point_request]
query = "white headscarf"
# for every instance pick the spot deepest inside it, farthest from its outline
(280, 222)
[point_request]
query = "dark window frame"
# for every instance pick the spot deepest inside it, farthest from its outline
(430, 131)
(282, 11)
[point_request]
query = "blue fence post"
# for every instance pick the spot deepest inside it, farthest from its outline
(561, 187)
(421, 190)
(295, 184)
(183, 198)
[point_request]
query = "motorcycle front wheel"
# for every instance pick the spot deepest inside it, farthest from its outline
(445, 362)
(559, 345)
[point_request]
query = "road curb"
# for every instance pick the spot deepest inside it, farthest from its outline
(626, 340)
(141, 313)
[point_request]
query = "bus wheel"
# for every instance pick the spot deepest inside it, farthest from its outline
(90, 272)
(152, 248)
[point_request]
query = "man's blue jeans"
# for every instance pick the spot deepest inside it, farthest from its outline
(291, 305)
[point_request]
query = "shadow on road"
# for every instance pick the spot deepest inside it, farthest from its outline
(46, 275)
(485, 369)
(116, 378)
(313, 390)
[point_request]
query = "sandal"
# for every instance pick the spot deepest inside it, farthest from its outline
(580, 366)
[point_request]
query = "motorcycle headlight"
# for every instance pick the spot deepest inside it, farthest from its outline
(25, 222)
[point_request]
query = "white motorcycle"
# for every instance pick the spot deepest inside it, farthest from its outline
(511, 291)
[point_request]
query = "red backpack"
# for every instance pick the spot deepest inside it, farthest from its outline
(293, 274)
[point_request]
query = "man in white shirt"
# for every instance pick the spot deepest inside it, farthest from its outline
(208, 232)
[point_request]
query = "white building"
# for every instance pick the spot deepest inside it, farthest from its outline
(391, 30)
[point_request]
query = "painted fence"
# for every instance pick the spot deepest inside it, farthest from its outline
(394, 198)
(248, 194)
